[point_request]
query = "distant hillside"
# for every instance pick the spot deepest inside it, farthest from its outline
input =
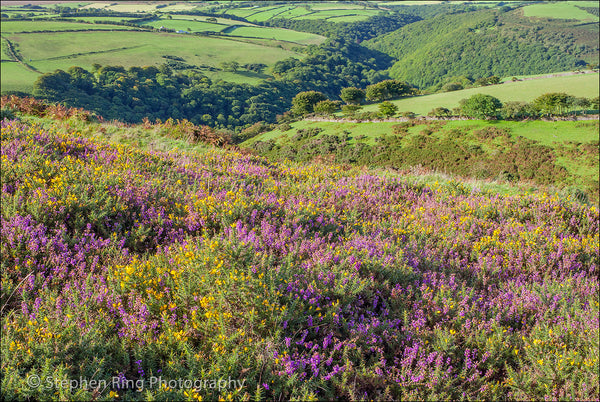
(487, 42)
(526, 90)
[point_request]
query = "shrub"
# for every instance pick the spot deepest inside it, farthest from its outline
(7, 113)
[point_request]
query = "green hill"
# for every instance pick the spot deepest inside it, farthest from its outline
(526, 90)
(561, 154)
(487, 42)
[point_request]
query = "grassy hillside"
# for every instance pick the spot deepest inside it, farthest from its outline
(300, 281)
(559, 154)
(484, 43)
(526, 90)
(563, 10)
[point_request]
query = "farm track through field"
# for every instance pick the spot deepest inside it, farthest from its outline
(70, 56)
(15, 56)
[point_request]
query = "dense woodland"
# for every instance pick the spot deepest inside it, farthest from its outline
(483, 43)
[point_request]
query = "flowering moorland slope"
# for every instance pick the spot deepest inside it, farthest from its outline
(304, 281)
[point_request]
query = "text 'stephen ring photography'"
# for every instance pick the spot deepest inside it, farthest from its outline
(316, 200)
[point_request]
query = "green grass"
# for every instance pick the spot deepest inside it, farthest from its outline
(339, 14)
(247, 12)
(583, 170)
(268, 13)
(144, 48)
(544, 132)
(127, 7)
(177, 24)
(559, 10)
(581, 85)
(245, 30)
(240, 77)
(303, 38)
(368, 129)
(347, 18)
(407, 3)
(12, 27)
(335, 6)
(15, 77)
(294, 12)
(92, 19)
(336, 12)
(224, 21)
(5, 55)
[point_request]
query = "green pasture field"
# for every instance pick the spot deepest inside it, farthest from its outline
(246, 30)
(177, 24)
(184, 6)
(67, 4)
(325, 14)
(248, 12)
(50, 51)
(200, 18)
(347, 18)
(407, 3)
(92, 19)
(24, 13)
(12, 27)
(15, 77)
(302, 38)
(559, 10)
(545, 75)
(240, 12)
(335, 6)
(268, 13)
(5, 55)
(581, 85)
(294, 12)
(127, 7)
(239, 77)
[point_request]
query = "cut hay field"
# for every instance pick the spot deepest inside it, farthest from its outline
(281, 281)
(582, 85)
